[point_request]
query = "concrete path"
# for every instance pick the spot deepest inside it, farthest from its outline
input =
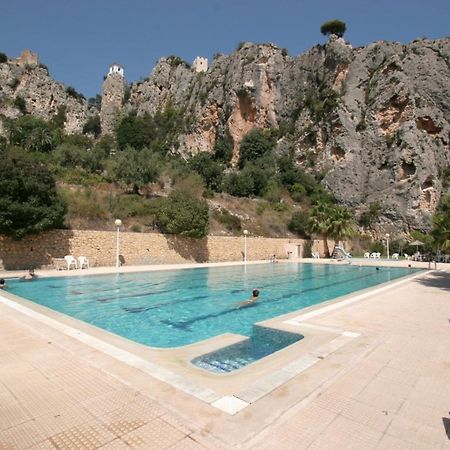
(390, 388)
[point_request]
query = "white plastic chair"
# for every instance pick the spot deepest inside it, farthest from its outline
(367, 255)
(83, 262)
(377, 255)
(71, 261)
(406, 256)
(395, 256)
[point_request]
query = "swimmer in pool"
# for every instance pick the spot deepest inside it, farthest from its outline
(252, 300)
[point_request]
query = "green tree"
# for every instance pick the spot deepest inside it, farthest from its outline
(223, 150)
(208, 169)
(334, 26)
(319, 222)
(299, 223)
(332, 221)
(136, 167)
(92, 126)
(441, 224)
(183, 214)
(3, 58)
(31, 133)
(29, 202)
(238, 185)
(254, 145)
(341, 225)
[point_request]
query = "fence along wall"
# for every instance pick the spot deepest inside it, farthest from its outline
(136, 248)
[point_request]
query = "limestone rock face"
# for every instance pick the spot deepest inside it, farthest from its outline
(113, 93)
(42, 95)
(374, 120)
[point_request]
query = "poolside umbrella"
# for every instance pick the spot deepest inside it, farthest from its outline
(417, 243)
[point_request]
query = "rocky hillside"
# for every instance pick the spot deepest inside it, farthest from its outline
(27, 87)
(373, 120)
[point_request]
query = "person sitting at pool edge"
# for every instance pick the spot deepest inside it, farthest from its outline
(29, 276)
(252, 300)
(2, 283)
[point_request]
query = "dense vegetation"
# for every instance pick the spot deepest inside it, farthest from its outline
(133, 175)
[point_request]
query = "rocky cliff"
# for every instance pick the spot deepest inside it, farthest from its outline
(373, 120)
(26, 80)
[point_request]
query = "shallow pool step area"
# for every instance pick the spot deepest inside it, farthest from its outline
(263, 342)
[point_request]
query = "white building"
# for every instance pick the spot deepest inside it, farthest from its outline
(200, 64)
(116, 68)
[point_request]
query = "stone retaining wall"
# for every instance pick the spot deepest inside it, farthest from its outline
(138, 248)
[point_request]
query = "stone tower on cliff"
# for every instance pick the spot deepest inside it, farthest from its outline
(113, 94)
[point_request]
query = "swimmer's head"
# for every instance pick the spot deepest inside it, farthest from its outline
(255, 292)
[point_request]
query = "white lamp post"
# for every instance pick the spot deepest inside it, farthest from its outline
(118, 224)
(387, 245)
(245, 245)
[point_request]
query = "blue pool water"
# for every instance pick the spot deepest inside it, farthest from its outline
(172, 308)
(262, 342)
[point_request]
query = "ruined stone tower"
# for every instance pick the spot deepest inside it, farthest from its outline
(113, 94)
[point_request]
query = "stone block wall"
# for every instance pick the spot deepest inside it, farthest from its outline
(135, 248)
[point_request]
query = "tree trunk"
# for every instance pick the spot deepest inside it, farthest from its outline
(325, 245)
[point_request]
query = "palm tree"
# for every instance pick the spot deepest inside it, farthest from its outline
(441, 222)
(330, 221)
(319, 223)
(341, 225)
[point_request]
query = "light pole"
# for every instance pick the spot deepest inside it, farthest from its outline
(118, 224)
(387, 245)
(245, 245)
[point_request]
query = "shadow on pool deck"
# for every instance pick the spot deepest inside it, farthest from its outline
(440, 280)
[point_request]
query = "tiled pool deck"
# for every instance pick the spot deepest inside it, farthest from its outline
(379, 377)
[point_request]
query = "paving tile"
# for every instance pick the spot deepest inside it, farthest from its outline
(51, 424)
(46, 445)
(88, 436)
(417, 433)
(368, 415)
(187, 444)
(155, 435)
(12, 413)
(177, 423)
(343, 433)
(22, 436)
(110, 401)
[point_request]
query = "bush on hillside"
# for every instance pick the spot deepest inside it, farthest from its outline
(29, 203)
(181, 213)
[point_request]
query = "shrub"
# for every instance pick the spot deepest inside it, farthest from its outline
(73, 93)
(210, 170)
(19, 103)
(92, 126)
(29, 203)
(182, 214)
(230, 221)
(3, 58)
(223, 149)
(254, 145)
(238, 185)
(299, 223)
(335, 26)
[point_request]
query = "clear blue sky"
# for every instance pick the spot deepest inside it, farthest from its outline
(79, 39)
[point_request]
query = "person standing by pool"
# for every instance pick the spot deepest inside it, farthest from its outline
(2, 283)
(251, 301)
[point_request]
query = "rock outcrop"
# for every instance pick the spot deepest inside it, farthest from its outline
(23, 78)
(374, 120)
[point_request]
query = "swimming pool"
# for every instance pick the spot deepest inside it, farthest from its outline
(172, 308)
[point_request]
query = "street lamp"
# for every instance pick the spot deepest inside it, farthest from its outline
(118, 224)
(245, 245)
(387, 245)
